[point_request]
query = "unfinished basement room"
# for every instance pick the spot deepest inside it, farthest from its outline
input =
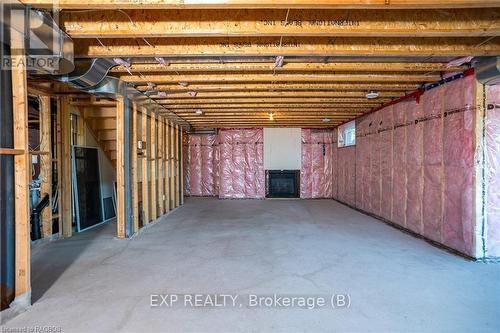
(250, 166)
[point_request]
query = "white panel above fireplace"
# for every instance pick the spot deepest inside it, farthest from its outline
(282, 148)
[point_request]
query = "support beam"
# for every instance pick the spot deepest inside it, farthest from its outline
(161, 167)
(46, 163)
(289, 67)
(236, 4)
(166, 163)
(65, 211)
(172, 164)
(264, 22)
(22, 175)
(248, 77)
(120, 168)
(133, 168)
(145, 164)
(288, 46)
(177, 167)
(153, 134)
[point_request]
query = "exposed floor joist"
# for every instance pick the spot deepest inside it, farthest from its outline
(288, 46)
(197, 4)
(216, 23)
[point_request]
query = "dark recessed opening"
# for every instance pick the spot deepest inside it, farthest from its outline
(282, 183)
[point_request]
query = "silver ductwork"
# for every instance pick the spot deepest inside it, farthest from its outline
(488, 70)
(92, 77)
(49, 50)
(88, 73)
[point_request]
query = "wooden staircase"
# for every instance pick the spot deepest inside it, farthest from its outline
(101, 121)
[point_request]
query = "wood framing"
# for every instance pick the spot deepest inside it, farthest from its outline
(168, 206)
(46, 163)
(289, 46)
(22, 175)
(177, 166)
(286, 86)
(120, 168)
(303, 22)
(172, 169)
(145, 164)
(287, 67)
(161, 179)
(133, 168)
(153, 135)
(281, 77)
(233, 4)
(65, 212)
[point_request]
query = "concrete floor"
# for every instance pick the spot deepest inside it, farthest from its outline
(94, 283)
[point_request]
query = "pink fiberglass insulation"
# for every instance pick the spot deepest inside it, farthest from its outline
(209, 165)
(458, 158)
(201, 168)
(399, 164)
(493, 172)
(432, 203)
(241, 164)
(346, 175)
(385, 158)
(414, 166)
(414, 157)
(316, 179)
(361, 173)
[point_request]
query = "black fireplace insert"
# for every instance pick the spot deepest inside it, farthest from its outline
(282, 183)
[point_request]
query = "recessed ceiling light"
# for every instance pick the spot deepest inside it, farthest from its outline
(372, 94)
(199, 111)
(326, 120)
(271, 116)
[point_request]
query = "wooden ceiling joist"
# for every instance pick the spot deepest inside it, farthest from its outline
(280, 100)
(232, 4)
(243, 23)
(340, 111)
(290, 67)
(354, 86)
(294, 94)
(261, 106)
(313, 78)
(288, 46)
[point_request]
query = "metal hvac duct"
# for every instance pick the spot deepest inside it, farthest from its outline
(49, 50)
(488, 70)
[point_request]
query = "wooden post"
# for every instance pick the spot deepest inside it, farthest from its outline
(145, 165)
(22, 175)
(154, 153)
(181, 168)
(161, 167)
(167, 165)
(133, 171)
(65, 160)
(120, 168)
(46, 163)
(172, 165)
(177, 167)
